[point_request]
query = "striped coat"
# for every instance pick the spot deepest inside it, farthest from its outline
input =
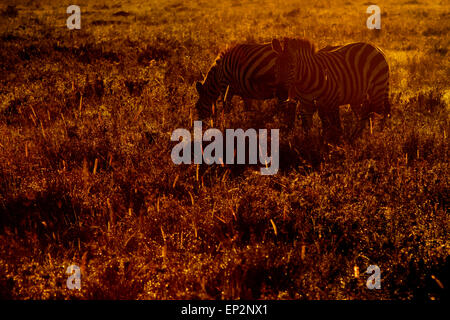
(245, 70)
(355, 74)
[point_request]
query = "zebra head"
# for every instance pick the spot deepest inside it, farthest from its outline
(204, 102)
(208, 92)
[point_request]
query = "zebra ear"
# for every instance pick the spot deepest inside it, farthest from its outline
(199, 87)
(276, 46)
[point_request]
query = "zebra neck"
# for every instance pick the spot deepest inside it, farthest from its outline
(215, 82)
(310, 77)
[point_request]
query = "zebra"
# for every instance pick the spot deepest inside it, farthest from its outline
(355, 74)
(245, 70)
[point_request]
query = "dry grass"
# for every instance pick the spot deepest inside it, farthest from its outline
(86, 175)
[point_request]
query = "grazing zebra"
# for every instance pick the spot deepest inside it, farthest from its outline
(245, 70)
(355, 74)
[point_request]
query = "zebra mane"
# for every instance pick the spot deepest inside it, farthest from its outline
(298, 43)
(225, 51)
(231, 46)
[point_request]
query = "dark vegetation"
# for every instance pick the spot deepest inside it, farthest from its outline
(86, 176)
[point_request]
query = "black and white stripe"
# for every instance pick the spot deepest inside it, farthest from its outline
(245, 70)
(355, 74)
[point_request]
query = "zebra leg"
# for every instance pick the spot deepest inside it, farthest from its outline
(335, 122)
(289, 109)
(292, 113)
(306, 114)
(324, 118)
(384, 107)
(362, 112)
(356, 108)
(331, 123)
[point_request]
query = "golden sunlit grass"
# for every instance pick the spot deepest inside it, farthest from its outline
(86, 176)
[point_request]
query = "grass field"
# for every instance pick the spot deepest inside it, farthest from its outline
(86, 176)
